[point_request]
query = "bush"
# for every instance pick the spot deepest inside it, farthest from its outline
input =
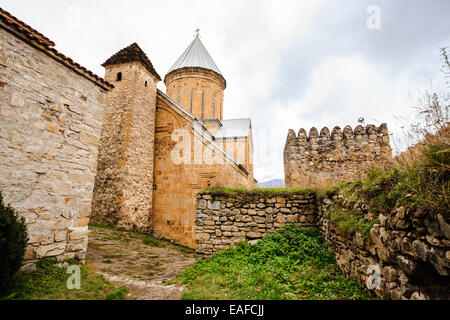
(13, 240)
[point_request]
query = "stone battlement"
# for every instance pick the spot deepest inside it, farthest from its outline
(336, 156)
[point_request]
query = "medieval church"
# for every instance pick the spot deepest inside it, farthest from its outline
(159, 149)
(77, 148)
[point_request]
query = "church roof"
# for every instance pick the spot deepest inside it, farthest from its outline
(233, 128)
(132, 53)
(203, 131)
(196, 55)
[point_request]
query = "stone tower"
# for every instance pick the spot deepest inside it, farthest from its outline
(124, 184)
(196, 83)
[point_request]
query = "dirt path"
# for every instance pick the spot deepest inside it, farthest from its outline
(142, 263)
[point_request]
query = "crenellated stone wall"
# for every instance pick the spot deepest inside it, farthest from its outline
(330, 158)
(51, 115)
(225, 219)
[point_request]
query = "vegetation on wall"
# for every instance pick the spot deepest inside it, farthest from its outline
(225, 192)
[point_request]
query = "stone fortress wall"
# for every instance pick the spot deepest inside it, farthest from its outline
(51, 114)
(227, 219)
(321, 159)
(404, 256)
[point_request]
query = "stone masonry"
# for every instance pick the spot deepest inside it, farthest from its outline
(198, 90)
(155, 155)
(404, 255)
(51, 113)
(227, 219)
(124, 183)
(342, 156)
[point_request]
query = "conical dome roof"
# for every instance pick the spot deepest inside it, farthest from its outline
(196, 55)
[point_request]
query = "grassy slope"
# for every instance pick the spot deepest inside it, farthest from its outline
(50, 283)
(291, 264)
(416, 182)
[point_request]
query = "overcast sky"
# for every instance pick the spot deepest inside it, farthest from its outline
(288, 64)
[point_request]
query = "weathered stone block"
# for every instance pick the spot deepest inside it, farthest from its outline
(51, 250)
(203, 236)
(78, 234)
(254, 235)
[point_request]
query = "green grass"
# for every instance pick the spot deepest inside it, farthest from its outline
(152, 241)
(293, 263)
(422, 184)
(349, 222)
(257, 191)
(50, 283)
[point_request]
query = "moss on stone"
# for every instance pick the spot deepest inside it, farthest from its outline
(261, 192)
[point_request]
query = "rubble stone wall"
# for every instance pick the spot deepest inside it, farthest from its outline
(405, 255)
(227, 219)
(50, 123)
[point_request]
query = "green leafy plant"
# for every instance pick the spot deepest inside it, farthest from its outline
(13, 240)
(291, 264)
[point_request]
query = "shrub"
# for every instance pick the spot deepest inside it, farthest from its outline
(13, 240)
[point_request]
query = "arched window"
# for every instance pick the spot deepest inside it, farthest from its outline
(119, 76)
(145, 83)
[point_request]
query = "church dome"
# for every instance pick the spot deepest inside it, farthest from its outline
(195, 55)
(196, 83)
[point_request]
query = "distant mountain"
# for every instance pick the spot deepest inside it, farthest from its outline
(276, 183)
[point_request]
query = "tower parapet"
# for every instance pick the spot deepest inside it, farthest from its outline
(334, 157)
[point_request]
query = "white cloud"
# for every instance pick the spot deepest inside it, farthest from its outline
(340, 90)
(256, 43)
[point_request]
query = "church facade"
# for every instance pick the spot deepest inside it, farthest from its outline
(158, 150)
